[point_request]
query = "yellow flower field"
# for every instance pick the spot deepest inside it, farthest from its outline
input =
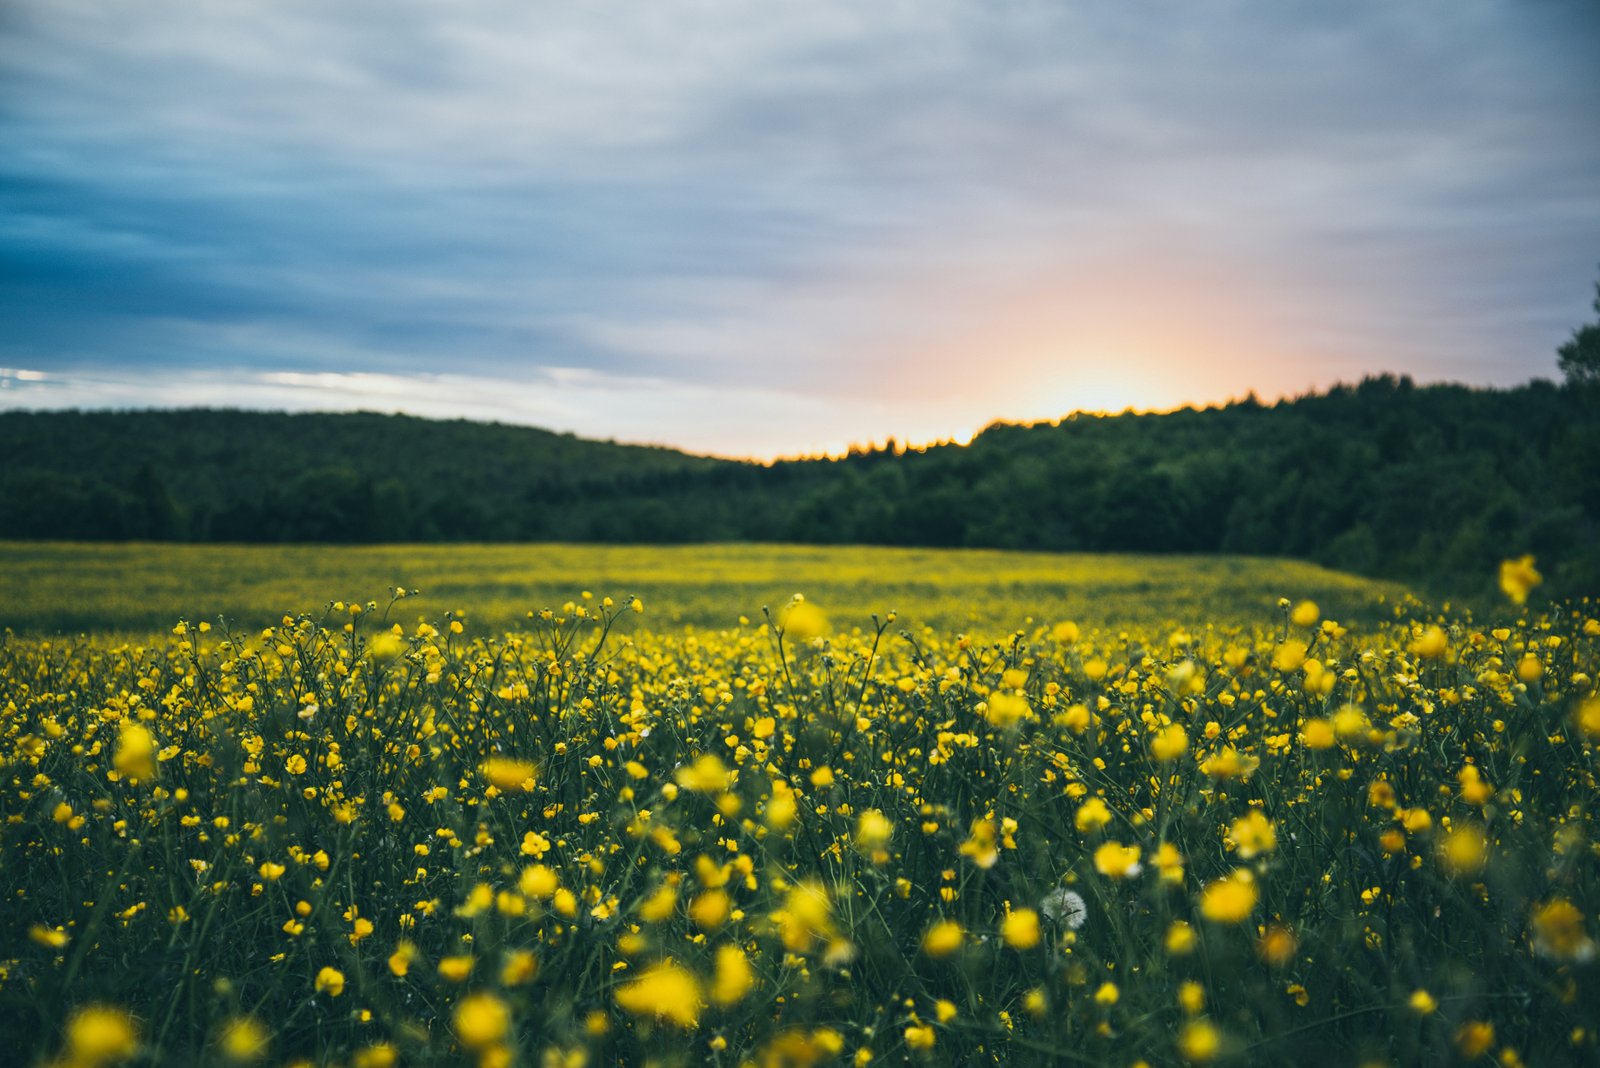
(1257, 835)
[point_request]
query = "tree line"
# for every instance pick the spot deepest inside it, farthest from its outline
(1432, 484)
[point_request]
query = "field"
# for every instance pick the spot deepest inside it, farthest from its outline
(139, 588)
(1097, 810)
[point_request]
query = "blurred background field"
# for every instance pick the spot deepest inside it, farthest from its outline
(134, 588)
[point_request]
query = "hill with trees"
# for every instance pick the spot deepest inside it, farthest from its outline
(1431, 484)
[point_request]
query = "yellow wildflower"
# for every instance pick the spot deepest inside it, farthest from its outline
(1518, 578)
(243, 1039)
(1020, 929)
(942, 939)
(481, 1020)
(665, 991)
(733, 977)
(100, 1035)
(1230, 899)
(330, 981)
(135, 758)
(707, 775)
(1117, 861)
(508, 774)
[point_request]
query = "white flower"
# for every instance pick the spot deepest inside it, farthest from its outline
(1065, 907)
(311, 709)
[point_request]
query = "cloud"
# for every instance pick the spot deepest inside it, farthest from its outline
(824, 200)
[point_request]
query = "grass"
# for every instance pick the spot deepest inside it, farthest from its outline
(133, 588)
(1149, 813)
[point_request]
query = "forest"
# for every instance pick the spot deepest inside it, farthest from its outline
(1433, 483)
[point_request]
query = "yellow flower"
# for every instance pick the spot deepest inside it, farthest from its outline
(330, 981)
(135, 757)
(802, 622)
(538, 881)
(1020, 929)
(1180, 939)
(1474, 790)
(1107, 994)
(1305, 614)
(1587, 718)
(1251, 835)
(664, 991)
(782, 809)
(243, 1039)
(942, 939)
(920, 1037)
(1117, 861)
(1199, 1042)
(1416, 820)
(1431, 644)
(481, 1020)
(660, 905)
(873, 830)
(710, 909)
(1005, 709)
(99, 1035)
(1558, 932)
(1422, 1003)
(733, 976)
(1276, 945)
(980, 845)
(1290, 655)
(1169, 862)
(1169, 743)
(400, 960)
(1091, 816)
(1474, 1038)
(49, 937)
(1191, 997)
(1317, 733)
(1351, 724)
(509, 775)
(1229, 763)
(456, 969)
(1518, 578)
(383, 1055)
(805, 918)
(520, 966)
(1465, 850)
(1230, 899)
(707, 775)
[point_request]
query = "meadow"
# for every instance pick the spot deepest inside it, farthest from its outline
(135, 588)
(590, 805)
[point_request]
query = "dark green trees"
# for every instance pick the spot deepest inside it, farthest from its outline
(1579, 358)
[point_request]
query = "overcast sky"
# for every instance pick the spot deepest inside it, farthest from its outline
(769, 228)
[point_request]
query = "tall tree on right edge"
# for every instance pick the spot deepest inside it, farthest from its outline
(1579, 358)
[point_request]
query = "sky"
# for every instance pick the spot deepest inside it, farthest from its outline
(779, 228)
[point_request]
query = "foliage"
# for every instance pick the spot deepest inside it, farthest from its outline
(1431, 485)
(1579, 356)
(588, 841)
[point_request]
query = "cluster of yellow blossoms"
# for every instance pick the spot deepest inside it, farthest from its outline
(339, 841)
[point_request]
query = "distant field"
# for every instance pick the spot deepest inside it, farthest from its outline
(131, 588)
